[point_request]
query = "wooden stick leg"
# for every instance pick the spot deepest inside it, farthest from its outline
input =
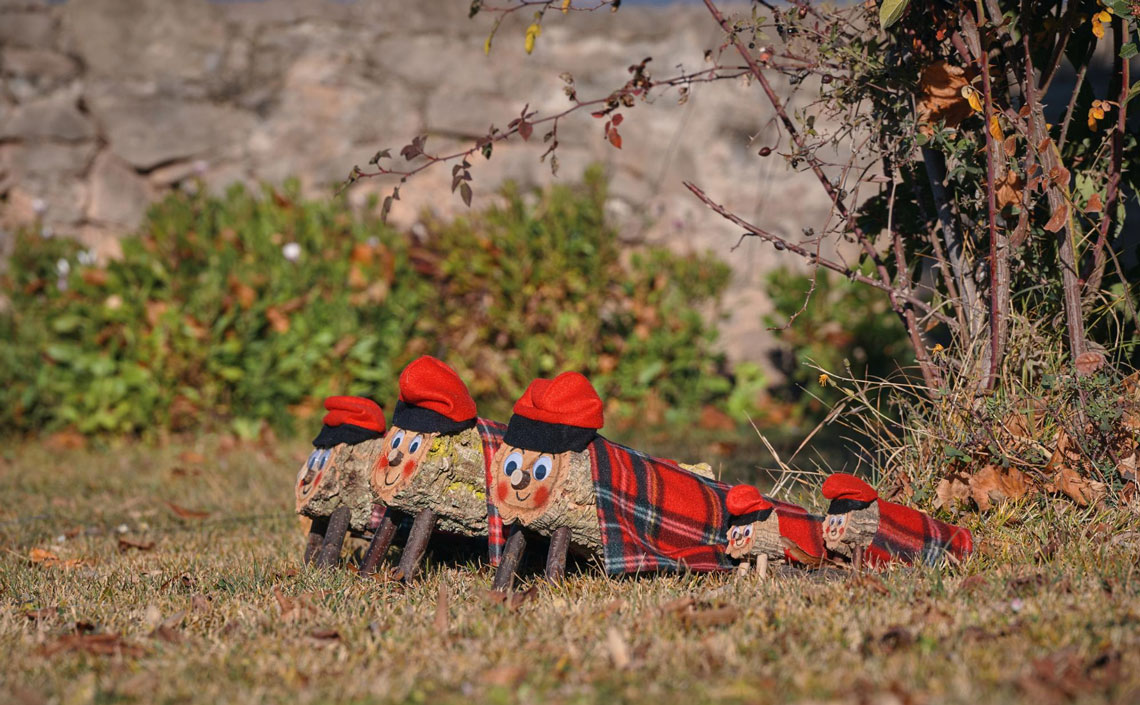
(417, 545)
(316, 537)
(378, 548)
(556, 556)
(857, 562)
(329, 555)
(512, 553)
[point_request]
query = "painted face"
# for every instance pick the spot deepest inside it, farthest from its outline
(400, 456)
(524, 481)
(834, 531)
(319, 469)
(741, 538)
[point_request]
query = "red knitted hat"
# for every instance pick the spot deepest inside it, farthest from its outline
(433, 398)
(350, 420)
(357, 411)
(557, 415)
(568, 399)
(746, 499)
(842, 485)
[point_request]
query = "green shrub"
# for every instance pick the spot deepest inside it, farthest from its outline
(234, 310)
(843, 324)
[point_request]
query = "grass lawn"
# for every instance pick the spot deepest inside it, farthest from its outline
(173, 574)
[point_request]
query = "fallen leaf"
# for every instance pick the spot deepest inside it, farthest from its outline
(185, 513)
(952, 491)
(713, 419)
(1010, 189)
(66, 440)
(1089, 362)
(508, 676)
(126, 544)
(993, 484)
(41, 613)
(41, 555)
(325, 635)
(190, 457)
(95, 644)
(520, 598)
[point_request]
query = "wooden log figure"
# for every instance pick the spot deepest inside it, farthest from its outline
(863, 529)
(555, 476)
(775, 530)
(433, 464)
(332, 487)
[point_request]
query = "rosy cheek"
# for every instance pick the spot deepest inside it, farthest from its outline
(383, 462)
(501, 491)
(540, 496)
(409, 468)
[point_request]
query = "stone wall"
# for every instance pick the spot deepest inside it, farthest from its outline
(106, 104)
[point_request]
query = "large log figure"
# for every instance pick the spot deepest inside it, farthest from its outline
(771, 529)
(332, 487)
(555, 476)
(433, 464)
(863, 529)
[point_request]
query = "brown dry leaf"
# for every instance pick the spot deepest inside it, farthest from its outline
(95, 644)
(278, 321)
(1082, 491)
(507, 676)
(191, 457)
(992, 484)
(1010, 146)
(1011, 189)
(42, 555)
(952, 491)
(713, 419)
(66, 440)
(1059, 218)
(126, 544)
(493, 597)
(713, 617)
(1094, 205)
(325, 635)
(972, 583)
(185, 513)
(41, 613)
(93, 276)
(518, 599)
(942, 100)
(1088, 362)
(870, 582)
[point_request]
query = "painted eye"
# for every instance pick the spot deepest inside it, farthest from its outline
(734, 533)
(397, 439)
(513, 463)
(313, 458)
(542, 467)
(324, 458)
(748, 531)
(416, 443)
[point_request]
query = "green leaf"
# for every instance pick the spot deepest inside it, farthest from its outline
(66, 323)
(1132, 92)
(890, 12)
(1129, 50)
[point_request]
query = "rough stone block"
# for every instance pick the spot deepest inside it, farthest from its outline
(119, 196)
(55, 117)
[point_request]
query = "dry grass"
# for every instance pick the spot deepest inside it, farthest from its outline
(220, 609)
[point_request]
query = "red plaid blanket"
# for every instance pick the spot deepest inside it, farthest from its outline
(655, 515)
(913, 536)
(802, 528)
(491, 432)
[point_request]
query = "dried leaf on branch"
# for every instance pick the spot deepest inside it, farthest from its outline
(943, 98)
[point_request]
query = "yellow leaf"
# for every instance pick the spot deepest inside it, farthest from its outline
(532, 33)
(487, 45)
(937, 349)
(1103, 17)
(824, 379)
(1098, 30)
(995, 130)
(973, 98)
(565, 6)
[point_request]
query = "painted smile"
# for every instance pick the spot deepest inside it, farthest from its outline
(388, 483)
(521, 498)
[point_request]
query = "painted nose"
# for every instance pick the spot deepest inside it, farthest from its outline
(396, 457)
(520, 480)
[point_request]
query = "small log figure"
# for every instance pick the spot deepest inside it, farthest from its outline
(769, 528)
(555, 476)
(433, 465)
(863, 529)
(332, 486)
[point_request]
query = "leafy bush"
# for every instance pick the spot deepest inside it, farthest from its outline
(840, 326)
(252, 307)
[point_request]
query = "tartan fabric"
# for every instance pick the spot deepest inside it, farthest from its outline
(912, 536)
(655, 515)
(801, 527)
(491, 433)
